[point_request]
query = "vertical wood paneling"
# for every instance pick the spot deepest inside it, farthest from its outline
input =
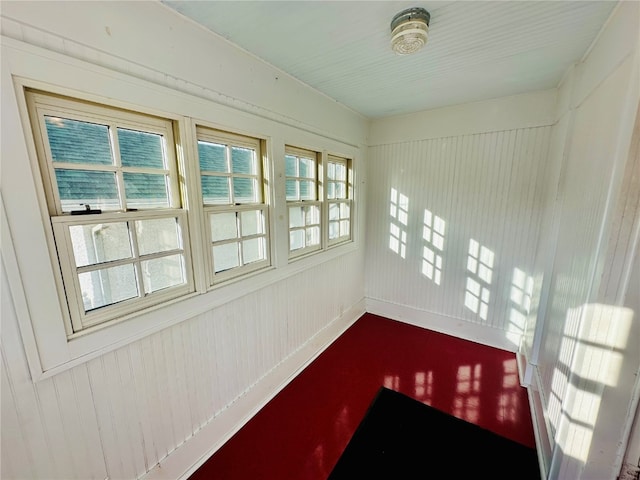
(122, 413)
(486, 187)
(585, 187)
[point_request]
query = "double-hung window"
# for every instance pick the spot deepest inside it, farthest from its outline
(111, 183)
(339, 198)
(233, 195)
(303, 201)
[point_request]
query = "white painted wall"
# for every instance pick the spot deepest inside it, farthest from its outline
(582, 348)
(119, 414)
(480, 168)
(533, 178)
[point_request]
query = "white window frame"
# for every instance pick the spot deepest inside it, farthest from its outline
(300, 203)
(344, 200)
(260, 205)
(77, 321)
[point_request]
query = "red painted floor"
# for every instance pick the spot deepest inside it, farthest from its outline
(301, 432)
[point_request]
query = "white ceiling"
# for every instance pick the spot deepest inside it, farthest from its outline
(476, 50)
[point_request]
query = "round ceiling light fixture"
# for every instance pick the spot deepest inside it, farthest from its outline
(409, 30)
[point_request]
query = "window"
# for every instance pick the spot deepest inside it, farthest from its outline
(303, 202)
(113, 196)
(232, 183)
(339, 199)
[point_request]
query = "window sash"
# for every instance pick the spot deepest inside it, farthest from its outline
(81, 318)
(297, 178)
(305, 229)
(238, 240)
(230, 141)
(42, 105)
(339, 199)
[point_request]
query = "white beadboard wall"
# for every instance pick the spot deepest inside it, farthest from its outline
(120, 414)
(579, 322)
(486, 187)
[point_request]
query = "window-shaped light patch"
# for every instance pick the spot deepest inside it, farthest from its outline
(433, 232)
(480, 272)
(520, 296)
(424, 386)
(509, 401)
(466, 402)
(399, 213)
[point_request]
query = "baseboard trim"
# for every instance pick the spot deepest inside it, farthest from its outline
(188, 457)
(541, 430)
(455, 327)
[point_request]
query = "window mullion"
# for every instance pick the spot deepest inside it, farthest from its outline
(135, 251)
(115, 155)
(227, 152)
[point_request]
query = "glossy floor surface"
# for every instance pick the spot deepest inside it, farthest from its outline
(300, 433)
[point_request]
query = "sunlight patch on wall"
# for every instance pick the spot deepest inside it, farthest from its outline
(520, 296)
(433, 232)
(480, 266)
(595, 353)
(399, 212)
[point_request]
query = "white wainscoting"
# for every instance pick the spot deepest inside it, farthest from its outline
(119, 415)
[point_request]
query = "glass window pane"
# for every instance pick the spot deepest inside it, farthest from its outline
(163, 272)
(242, 160)
(341, 191)
(253, 250)
(251, 223)
(292, 190)
(344, 228)
(144, 190)
(83, 187)
(102, 242)
(296, 218)
(331, 171)
(212, 157)
(108, 286)
(331, 190)
(157, 235)
(334, 230)
(223, 226)
(290, 163)
(225, 257)
(344, 210)
(307, 190)
(296, 240)
(215, 190)
(312, 215)
(140, 149)
(334, 211)
(313, 236)
(307, 169)
(78, 142)
(341, 172)
(244, 190)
